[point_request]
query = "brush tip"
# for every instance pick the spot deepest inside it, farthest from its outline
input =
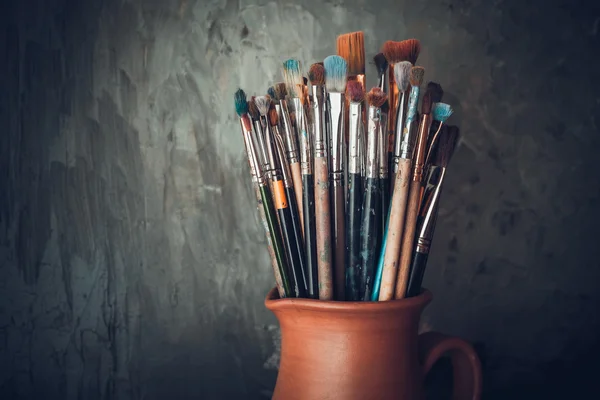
(416, 76)
(336, 70)
(316, 74)
(447, 143)
(262, 104)
(351, 47)
(252, 109)
(292, 75)
(436, 91)
(376, 97)
(406, 50)
(355, 92)
(402, 75)
(280, 91)
(271, 92)
(241, 104)
(273, 116)
(380, 63)
(442, 111)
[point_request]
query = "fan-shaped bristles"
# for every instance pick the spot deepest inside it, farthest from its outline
(380, 63)
(336, 70)
(411, 48)
(241, 104)
(442, 111)
(376, 97)
(316, 74)
(406, 50)
(402, 75)
(446, 145)
(262, 104)
(271, 92)
(280, 91)
(273, 116)
(436, 91)
(355, 92)
(252, 109)
(351, 47)
(416, 76)
(426, 103)
(292, 76)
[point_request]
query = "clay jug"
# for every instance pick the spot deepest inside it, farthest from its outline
(364, 350)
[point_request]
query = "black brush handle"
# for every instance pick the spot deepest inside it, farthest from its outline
(417, 271)
(353, 217)
(369, 231)
(338, 233)
(298, 241)
(310, 235)
(384, 186)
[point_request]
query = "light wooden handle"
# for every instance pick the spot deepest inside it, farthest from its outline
(408, 239)
(395, 229)
(323, 223)
(297, 178)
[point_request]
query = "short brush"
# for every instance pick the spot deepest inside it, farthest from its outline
(441, 112)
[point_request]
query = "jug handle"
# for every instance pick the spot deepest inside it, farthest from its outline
(465, 363)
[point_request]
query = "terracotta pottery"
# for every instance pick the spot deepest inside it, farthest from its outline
(364, 350)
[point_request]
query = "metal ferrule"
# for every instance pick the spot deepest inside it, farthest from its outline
(374, 119)
(291, 139)
(285, 166)
(274, 172)
(383, 83)
(259, 137)
(383, 140)
(420, 149)
(354, 140)
(400, 117)
(336, 107)
(406, 145)
(255, 167)
(431, 200)
(304, 138)
(318, 123)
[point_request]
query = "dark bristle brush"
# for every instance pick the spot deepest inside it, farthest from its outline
(447, 141)
(370, 219)
(356, 95)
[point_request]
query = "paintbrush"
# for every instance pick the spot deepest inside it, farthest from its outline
(335, 82)
(259, 136)
(351, 47)
(291, 143)
(356, 95)
(395, 52)
(412, 208)
(382, 68)
(263, 197)
(288, 231)
(370, 219)
(402, 78)
(387, 268)
(441, 112)
(429, 208)
(384, 181)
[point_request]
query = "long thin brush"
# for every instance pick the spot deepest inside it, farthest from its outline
(281, 201)
(335, 82)
(263, 197)
(387, 268)
(370, 219)
(429, 208)
(412, 208)
(356, 96)
(384, 178)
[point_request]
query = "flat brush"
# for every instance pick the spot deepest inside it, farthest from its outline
(371, 209)
(263, 197)
(402, 78)
(351, 47)
(290, 236)
(335, 82)
(387, 267)
(429, 208)
(412, 208)
(356, 96)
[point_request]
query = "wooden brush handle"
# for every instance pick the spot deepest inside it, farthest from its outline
(323, 225)
(395, 230)
(408, 239)
(297, 179)
(339, 241)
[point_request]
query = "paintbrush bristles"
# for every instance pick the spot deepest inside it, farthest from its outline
(442, 111)
(376, 97)
(446, 145)
(416, 76)
(402, 75)
(355, 92)
(252, 109)
(292, 74)
(280, 91)
(436, 91)
(426, 103)
(351, 47)
(273, 116)
(406, 50)
(380, 63)
(262, 104)
(316, 74)
(271, 92)
(411, 49)
(336, 70)
(241, 104)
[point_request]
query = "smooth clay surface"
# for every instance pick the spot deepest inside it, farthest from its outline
(132, 262)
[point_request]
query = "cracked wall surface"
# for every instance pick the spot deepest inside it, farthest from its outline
(132, 263)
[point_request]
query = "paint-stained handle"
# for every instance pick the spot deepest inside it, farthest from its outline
(298, 242)
(368, 236)
(276, 239)
(339, 241)
(395, 230)
(297, 179)
(310, 236)
(323, 228)
(408, 239)
(353, 217)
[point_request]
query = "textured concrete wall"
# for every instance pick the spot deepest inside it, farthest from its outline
(131, 261)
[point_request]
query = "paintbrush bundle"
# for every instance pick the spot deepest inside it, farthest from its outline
(348, 180)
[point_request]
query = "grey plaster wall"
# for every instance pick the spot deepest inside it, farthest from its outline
(131, 261)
